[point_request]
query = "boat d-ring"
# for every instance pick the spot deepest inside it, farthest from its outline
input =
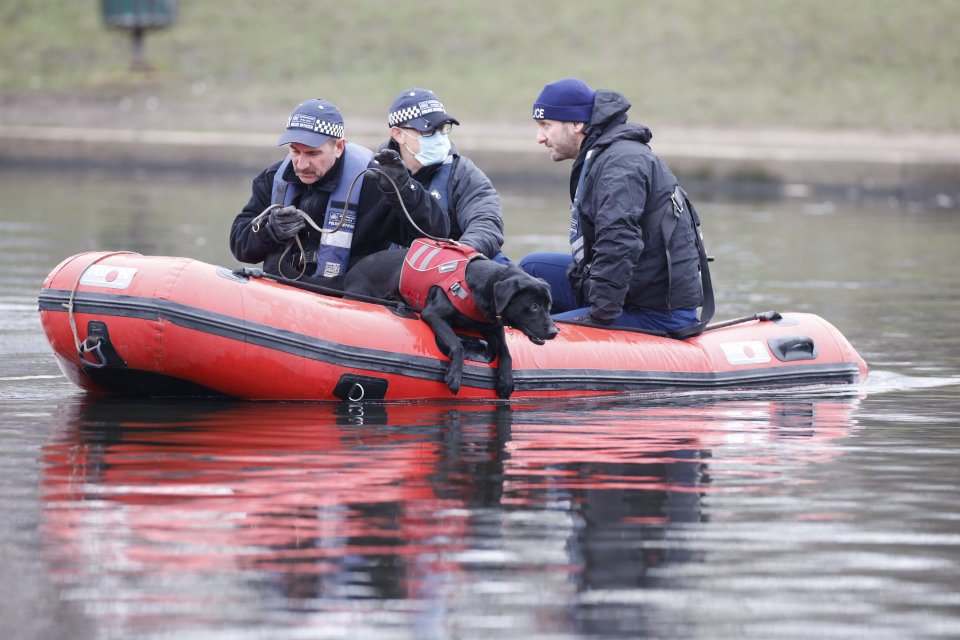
(92, 346)
(356, 392)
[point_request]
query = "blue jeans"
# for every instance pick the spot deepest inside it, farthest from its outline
(552, 267)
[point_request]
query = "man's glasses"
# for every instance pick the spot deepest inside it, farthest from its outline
(444, 128)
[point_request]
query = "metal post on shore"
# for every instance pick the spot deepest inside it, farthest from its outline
(137, 17)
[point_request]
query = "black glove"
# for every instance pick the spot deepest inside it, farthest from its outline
(392, 165)
(286, 222)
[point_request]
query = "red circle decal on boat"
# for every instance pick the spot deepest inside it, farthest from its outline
(110, 277)
(748, 351)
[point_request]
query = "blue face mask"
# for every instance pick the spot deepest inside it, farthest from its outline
(433, 150)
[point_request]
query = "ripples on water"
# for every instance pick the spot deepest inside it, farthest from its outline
(796, 514)
(602, 517)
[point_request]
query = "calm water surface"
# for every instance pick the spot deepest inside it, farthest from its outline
(795, 514)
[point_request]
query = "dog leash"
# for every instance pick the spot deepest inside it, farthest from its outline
(403, 206)
(256, 223)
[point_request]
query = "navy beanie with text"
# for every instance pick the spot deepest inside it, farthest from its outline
(567, 100)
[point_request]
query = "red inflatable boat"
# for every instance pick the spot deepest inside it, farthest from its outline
(126, 323)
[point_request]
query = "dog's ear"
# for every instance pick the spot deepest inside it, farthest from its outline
(544, 286)
(504, 291)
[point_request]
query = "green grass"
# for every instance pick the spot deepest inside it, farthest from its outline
(892, 65)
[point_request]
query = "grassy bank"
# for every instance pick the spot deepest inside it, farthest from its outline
(871, 64)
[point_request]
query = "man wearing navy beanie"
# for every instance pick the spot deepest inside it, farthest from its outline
(567, 100)
(636, 257)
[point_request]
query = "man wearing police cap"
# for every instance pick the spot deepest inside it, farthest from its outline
(322, 183)
(420, 132)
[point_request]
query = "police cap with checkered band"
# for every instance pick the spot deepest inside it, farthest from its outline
(418, 109)
(313, 123)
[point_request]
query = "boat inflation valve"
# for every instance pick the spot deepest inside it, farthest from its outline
(354, 388)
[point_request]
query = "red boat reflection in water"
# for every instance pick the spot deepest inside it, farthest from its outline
(248, 487)
(669, 436)
(388, 502)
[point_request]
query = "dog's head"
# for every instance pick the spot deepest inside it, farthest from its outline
(523, 302)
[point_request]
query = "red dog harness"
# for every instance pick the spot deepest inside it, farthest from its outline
(431, 263)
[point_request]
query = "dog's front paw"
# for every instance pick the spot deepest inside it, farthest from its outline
(453, 377)
(505, 386)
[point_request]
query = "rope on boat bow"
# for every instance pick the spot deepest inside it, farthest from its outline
(88, 345)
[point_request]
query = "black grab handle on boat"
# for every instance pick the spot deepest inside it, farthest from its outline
(793, 348)
(354, 388)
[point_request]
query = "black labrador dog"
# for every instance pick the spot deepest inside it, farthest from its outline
(504, 294)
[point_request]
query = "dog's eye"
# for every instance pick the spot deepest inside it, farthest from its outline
(534, 307)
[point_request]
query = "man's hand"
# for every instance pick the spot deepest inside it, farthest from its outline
(285, 223)
(392, 165)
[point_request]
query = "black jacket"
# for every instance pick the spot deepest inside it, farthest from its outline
(380, 221)
(626, 194)
(476, 218)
